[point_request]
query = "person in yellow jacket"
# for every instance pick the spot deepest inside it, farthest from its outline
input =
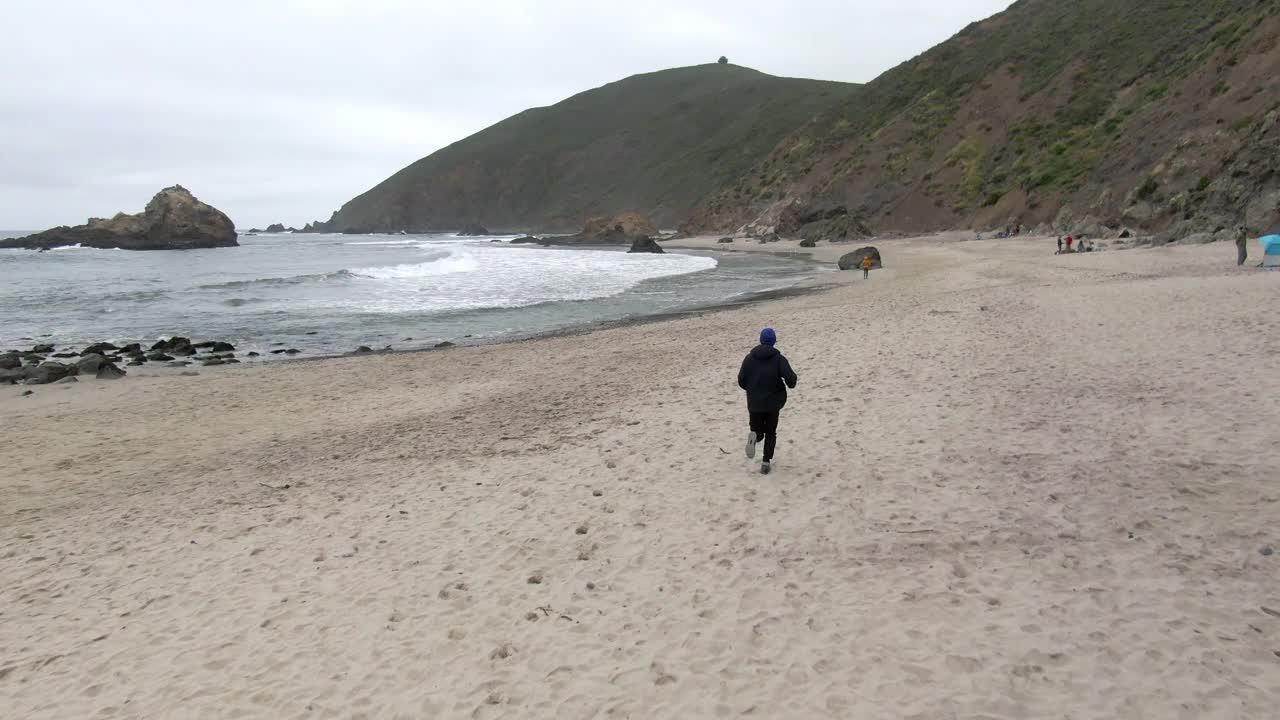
(867, 264)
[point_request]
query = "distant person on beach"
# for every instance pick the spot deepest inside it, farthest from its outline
(1059, 245)
(1242, 245)
(765, 375)
(867, 263)
(1069, 241)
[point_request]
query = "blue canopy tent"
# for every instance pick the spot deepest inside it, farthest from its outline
(1270, 251)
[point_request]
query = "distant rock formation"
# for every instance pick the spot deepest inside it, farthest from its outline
(279, 228)
(645, 245)
(173, 220)
(623, 229)
(474, 229)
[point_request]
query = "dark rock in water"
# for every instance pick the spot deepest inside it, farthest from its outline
(725, 240)
(808, 243)
(134, 363)
(526, 240)
(853, 261)
(49, 372)
(65, 355)
(292, 351)
(42, 349)
(278, 352)
(99, 349)
(253, 354)
(231, 361)
(10, 360)
(474, 229)
(214, 361)
(313, 332)
(277, 228)
(159, 356)
(110, 372)
(221, 347)
(68, 380)
(176, 345)
(33, 359)
(173, 220)
(131, 349)
(89, 364)
(364, 349)
(445, 344)
(178, 363)
(645, 245)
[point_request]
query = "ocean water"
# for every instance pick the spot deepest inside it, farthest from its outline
(329, 294)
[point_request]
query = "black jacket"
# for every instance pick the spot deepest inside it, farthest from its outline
(766, 375)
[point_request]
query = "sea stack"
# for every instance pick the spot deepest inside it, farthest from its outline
(173, 220)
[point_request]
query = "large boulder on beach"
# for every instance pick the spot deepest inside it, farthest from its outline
(853, 261)
(10, 361)
(89, 364)
(109, 371)
(10, 377)
(526, 240)
(645, 245)
(173, 220)
(49, 372)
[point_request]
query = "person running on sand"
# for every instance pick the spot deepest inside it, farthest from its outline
(867, 264)
(1059, 245)
(765, 375)
(1242, 245)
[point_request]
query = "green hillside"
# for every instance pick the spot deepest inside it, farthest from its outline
(654, 144)
(1068, 112)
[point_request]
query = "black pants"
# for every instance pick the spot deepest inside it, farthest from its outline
(865, 273)
(765, 426)
(1242, 253)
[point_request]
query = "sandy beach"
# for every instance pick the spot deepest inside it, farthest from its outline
(1009, 485)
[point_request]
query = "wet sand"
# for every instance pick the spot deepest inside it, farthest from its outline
(1009, 485)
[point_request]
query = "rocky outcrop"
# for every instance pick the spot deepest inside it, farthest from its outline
(853, 261)
(173, 220)
(526, 240)
(474, 230)
(623, 229)
(278, 228)
(645, 245)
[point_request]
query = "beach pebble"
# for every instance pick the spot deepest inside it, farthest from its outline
(597, 493)
(535, 580)
(582, 529)
(591, 586)
(28, 392)
(1266, 551)
(611, 464)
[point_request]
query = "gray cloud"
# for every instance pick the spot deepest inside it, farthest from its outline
(284, 110)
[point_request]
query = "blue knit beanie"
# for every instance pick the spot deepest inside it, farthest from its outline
(768, 337)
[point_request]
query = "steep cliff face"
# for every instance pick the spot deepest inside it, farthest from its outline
(1075, 113)
(173, 220)
(653, 144)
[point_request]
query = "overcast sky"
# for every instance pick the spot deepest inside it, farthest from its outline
(281, 110)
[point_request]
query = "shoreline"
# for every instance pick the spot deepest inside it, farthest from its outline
(809, 284)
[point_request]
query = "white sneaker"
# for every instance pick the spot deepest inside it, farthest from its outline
(751, 445)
